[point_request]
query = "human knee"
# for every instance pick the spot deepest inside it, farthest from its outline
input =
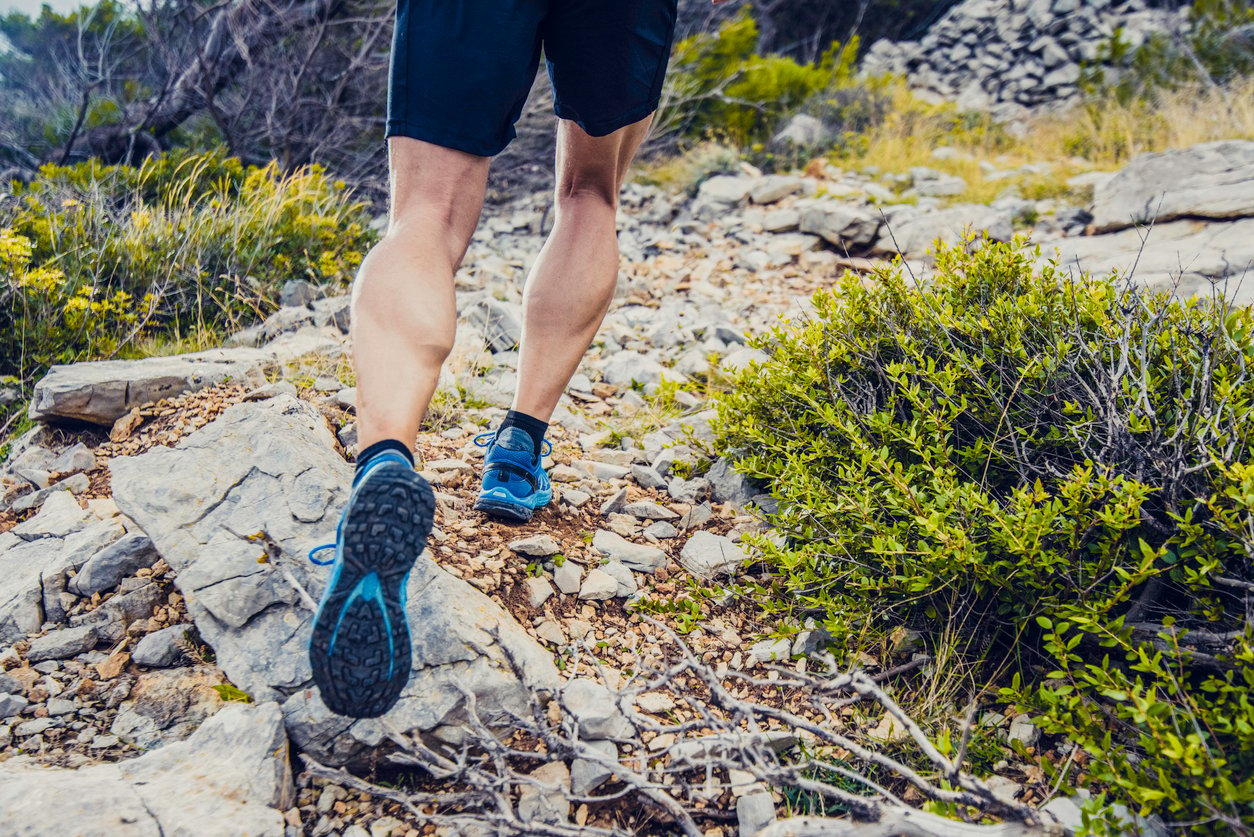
(593, 192)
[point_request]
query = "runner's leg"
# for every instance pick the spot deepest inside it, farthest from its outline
(572, 283)
(403, 306)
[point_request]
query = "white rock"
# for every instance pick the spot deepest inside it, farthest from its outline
(648, 510)
(840, 224)
(771, 650)
(639, 557)
(233, 772)
(103, 391)
(598, 585)
(585, 775)
(1024, 731)
(754, 812)
(775, 187)
(708, 556)
(538, 591)
(594, 709)
(545, 801)
(655, 703)
(567, 577)
(536, 546)
(271, 467)
(622, 575)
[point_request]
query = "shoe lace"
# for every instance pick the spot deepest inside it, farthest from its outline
(318, 549)
(485, 440)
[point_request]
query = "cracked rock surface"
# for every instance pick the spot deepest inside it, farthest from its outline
(235, 507)
(233, 773)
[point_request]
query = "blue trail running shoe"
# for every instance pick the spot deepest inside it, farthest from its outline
(514, 482)
(360, 649)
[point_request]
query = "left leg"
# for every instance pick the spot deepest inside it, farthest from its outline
(572, 283)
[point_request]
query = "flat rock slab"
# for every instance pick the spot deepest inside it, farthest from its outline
(913, 233)
(102, 391)
(1213, 180)
(1184, 256)
(235, 507)
(231, 777)
(34, 563)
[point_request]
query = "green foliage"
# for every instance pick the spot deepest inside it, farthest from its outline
(230, 693)
(93, 257)
(1055, 470)
(1217, 49)
(685, 614)
(723, 87)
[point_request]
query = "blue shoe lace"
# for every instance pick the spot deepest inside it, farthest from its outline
(485, 440)
(318, 549)
(375, 461)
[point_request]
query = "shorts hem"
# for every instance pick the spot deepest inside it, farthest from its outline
(605, 127)
(442, 138)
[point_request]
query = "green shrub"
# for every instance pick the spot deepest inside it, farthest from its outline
(93, 257)
(1055, 471)
(1217, 49)
(721, 87)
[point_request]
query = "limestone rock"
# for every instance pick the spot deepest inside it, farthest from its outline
(707, 555)
(598, 585)
(59, 645)
(568, 577)
(538, 591)
(913, 234)
(729, 486)
(1213, 180)
(110, 565)
(165, 706)
(233, 772)
(626, 581)
(103, 391)
(649, 510)
(754, 812)
(499, 321)
(545, 801)
(719, 194)
(536, 546)
(775, 187)
(1185, 257)
(162, 648)
(594, 710)
(636, 556)
(234, 508)
(586, 775)
(840, 224)
(298, 292)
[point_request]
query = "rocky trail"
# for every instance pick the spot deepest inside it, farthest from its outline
(155, 597)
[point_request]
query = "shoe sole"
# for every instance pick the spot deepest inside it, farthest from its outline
(500, 508)
(360, 647)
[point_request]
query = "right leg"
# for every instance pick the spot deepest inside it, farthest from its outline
(403, 321)
(403, 306)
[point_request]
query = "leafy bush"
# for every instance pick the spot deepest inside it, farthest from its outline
(93, 257)
(1058, 472)
(1217, 50)
(720, 85)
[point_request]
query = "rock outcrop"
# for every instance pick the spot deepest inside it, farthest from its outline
(235, 507)
(101, 392)
(1212, 181)
(231, 777)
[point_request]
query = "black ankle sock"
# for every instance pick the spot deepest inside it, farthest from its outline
(533, 426)
(379, 447)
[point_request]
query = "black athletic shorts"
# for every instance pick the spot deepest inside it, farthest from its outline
(461, 69)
